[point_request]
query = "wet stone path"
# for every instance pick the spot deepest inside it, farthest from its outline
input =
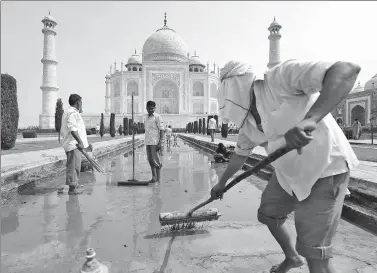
(43, 231)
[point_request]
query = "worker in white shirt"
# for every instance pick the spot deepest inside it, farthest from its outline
(293, 104)
(74, 138)
(154, 135)
(168, 135)
(212, 128)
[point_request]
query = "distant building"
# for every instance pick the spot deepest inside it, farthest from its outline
(183, 87)
(359, 104)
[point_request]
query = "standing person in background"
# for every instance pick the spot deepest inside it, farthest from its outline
(154, 134)
(356, 129)
(168, 135)
(97, 130)
(74, 139)
(212, 128)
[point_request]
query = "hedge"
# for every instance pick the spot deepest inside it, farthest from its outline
(29, 134)
(9, 111)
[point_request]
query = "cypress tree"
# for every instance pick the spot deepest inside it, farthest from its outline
(102, 127)
(58, 116)
(9, 111)
(112, 125)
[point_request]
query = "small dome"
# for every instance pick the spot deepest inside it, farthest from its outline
(165, 45)
(134, 59)
(194, 60)
(274, 24)
(369, 84)
(357, 89)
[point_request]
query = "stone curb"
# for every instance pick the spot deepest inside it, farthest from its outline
(16, 177)
(353, 210)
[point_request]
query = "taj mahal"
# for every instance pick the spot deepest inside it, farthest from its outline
(183, 87)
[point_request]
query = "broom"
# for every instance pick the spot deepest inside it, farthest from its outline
(133, 181)
(92, 161)
(189, 219)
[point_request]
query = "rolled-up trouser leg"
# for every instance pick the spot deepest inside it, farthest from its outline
(73, 167)
(317, 217)
(275, 205)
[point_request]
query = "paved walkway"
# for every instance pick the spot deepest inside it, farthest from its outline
(25, 140)
(366, 170)
(15, 162)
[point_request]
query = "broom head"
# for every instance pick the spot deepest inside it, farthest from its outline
(173, 218)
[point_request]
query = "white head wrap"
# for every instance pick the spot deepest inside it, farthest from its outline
(234, 93)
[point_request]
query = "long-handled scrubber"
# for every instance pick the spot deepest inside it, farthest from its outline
(133, 181)
(182, 220)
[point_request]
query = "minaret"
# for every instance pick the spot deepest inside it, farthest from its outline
(49, 85)
(107, 97)
(274, 38)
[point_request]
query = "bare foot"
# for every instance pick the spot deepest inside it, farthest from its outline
(287, 264)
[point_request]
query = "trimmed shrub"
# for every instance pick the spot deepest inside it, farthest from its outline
(130, 126)
(125, 126)
(88, 132)
(102, 127)
(9, 111)
(93, 130)
(204, 126)
(112, 125)
(200, 126)
(29, 134)
(58, 116)
(224, 130)
(120, 130)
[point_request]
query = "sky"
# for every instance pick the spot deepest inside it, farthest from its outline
(92, 35)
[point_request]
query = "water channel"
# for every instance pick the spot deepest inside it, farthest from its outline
(43, 231)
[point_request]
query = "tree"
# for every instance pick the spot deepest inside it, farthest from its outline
(130, 122)
(112, 125)
(58, 116)
(224, 130)
(9, 111)
(102, 127)
(125, 126)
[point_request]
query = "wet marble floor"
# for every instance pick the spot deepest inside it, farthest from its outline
(43, 231)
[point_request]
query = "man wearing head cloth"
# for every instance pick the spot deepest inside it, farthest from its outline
(291, 106)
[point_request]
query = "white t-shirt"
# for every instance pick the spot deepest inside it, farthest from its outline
(283, 99)
(168, 131)
(72, 121)
(212, 123)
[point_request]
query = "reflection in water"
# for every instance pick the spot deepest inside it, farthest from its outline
(74, 223)
(9, 222)
(112, 218)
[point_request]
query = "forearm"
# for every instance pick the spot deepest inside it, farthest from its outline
(235, 164)
(337, 84)
(77, 137)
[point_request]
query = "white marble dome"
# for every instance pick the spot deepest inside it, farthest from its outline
(369, 84)
(194, 60)
(357, 89)
(165, 45)
(134, 59)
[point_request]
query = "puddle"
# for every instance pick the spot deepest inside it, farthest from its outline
(42, 230)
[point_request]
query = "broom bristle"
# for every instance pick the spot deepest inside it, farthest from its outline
(181, 220)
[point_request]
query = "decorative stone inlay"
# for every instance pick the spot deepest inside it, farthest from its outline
(175, 77)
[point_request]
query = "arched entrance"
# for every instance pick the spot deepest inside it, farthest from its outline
(166, 96)
(359, 113)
